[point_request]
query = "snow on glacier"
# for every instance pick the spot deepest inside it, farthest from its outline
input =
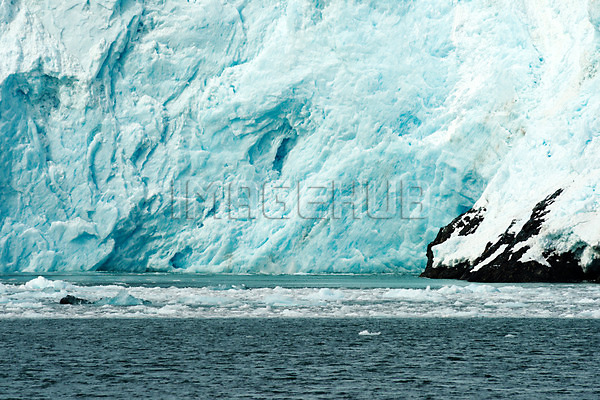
(559, 151)
(109, 109)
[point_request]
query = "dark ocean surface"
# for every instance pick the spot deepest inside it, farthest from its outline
(300, 358)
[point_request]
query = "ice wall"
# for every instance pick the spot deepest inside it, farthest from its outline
(116, 117)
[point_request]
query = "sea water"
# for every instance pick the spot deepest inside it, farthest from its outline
(296, 337)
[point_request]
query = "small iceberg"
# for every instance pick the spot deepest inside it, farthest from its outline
(41, 283)
(123, 299)
(367, 333)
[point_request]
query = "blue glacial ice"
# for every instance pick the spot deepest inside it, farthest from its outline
(122, 124)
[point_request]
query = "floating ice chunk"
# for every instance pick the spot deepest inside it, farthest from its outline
(41, 283)
(209, 300)
(122, 299)
(472, 288)
(451, 290)
(367, 333)
(229, 287)
(477, 288)
(279, 300)
(326, 294)
(413, 294)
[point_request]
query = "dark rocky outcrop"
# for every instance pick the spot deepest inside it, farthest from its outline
(68, 299)
(505, 266)
(464, 224)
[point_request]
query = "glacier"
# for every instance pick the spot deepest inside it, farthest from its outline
(122, 123)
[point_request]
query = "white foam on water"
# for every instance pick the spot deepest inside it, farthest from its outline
(39, 298)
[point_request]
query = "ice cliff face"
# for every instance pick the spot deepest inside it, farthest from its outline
(195, 135)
